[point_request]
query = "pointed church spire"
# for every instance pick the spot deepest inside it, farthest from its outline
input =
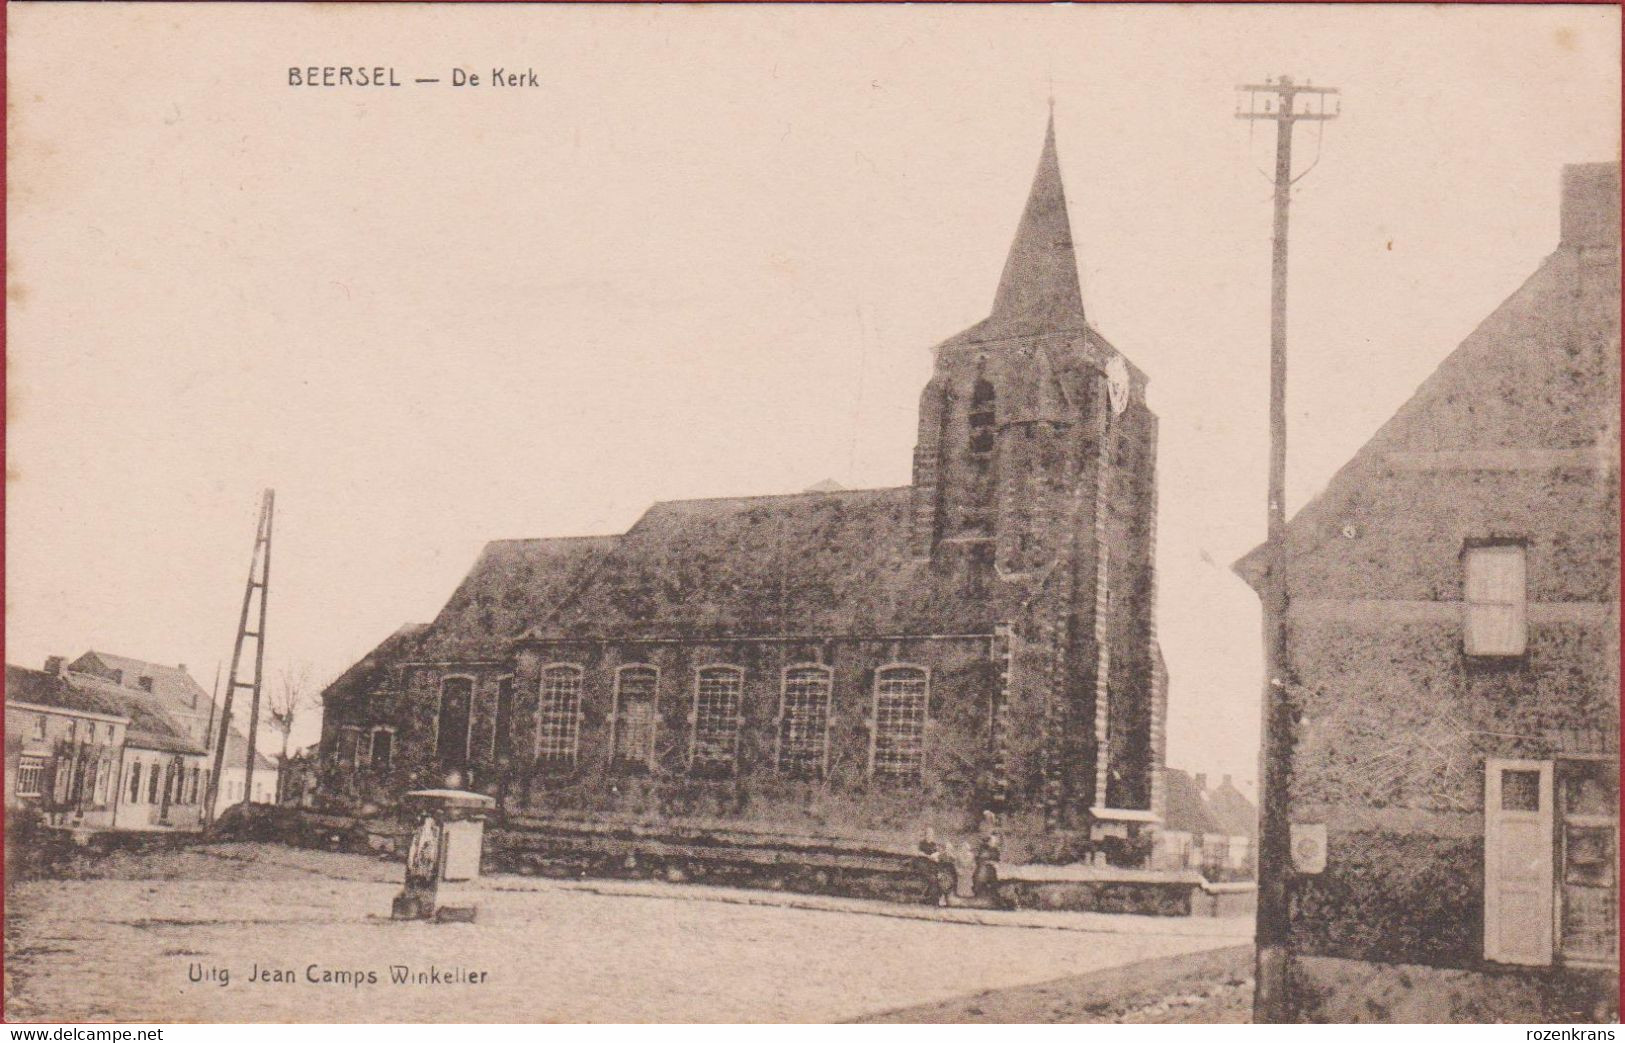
(1040, 280)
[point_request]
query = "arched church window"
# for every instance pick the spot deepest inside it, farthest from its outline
(717, 691)
(804, 721)
(898, 749)
(636, 717)
(451, 731)
(559, 732)
(981, 418)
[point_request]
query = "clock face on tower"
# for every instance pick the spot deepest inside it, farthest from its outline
(1117, 384)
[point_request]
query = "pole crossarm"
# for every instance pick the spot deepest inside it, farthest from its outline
(1291, 117)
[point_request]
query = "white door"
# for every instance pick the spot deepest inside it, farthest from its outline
(1518, 895)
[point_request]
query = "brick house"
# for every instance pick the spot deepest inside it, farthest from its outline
(64, 750)
(1454, 630)
(1190, 836)
(1237, 818)
(851, 662)
(89, 755)
(185, 704)
(1207, 829)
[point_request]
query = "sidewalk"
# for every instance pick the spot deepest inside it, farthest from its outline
(1214, 987)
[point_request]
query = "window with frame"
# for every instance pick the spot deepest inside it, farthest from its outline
(637, 717)
(502, 731)
(717, 691)
(804, 721)
(1495, 600)
(451, 732)
(135, 783)
(1588, 862)
(104, 771)
(898, 750)
(383, 748)
(39, 726)
(152, 785)
(349, 746)
(980, 418)
(558, 730)
(30, 776)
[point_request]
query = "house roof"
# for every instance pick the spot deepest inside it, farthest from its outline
(1234, 813)
(171, 683)
(1186, 811)
(151, 726)
(237, 749)
(1537, 373)
(46, 689)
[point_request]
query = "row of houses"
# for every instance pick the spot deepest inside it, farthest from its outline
(1213, 830)
(112, 743)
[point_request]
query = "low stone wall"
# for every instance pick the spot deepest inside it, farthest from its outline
(1107, 890)
(809, 865)
(575, 850)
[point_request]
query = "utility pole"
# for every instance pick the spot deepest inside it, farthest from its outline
(1286, 104)
(259, 578)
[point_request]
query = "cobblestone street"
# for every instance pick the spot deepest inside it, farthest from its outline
(129, 948)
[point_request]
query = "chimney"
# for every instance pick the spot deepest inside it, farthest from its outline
(1201, 782)
(1590, 204)
(54, 664)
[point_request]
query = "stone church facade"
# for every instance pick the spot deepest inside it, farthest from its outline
(850, 663)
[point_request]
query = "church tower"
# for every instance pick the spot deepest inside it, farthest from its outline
(1035, 462)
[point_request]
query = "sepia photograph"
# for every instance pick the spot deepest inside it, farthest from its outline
(742, 514)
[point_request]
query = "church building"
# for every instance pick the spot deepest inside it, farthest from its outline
(862, 663)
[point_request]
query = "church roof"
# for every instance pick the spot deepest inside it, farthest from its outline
(823, 563)
(371, 672)
(514, 584)
(1040, 280)
(829, 561)
(807, 563)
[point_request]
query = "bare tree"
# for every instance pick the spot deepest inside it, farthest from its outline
(290, 695)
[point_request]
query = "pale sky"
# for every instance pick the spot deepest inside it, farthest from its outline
(706, 256)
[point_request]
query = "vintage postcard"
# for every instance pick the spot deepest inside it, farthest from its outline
(605, 513)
